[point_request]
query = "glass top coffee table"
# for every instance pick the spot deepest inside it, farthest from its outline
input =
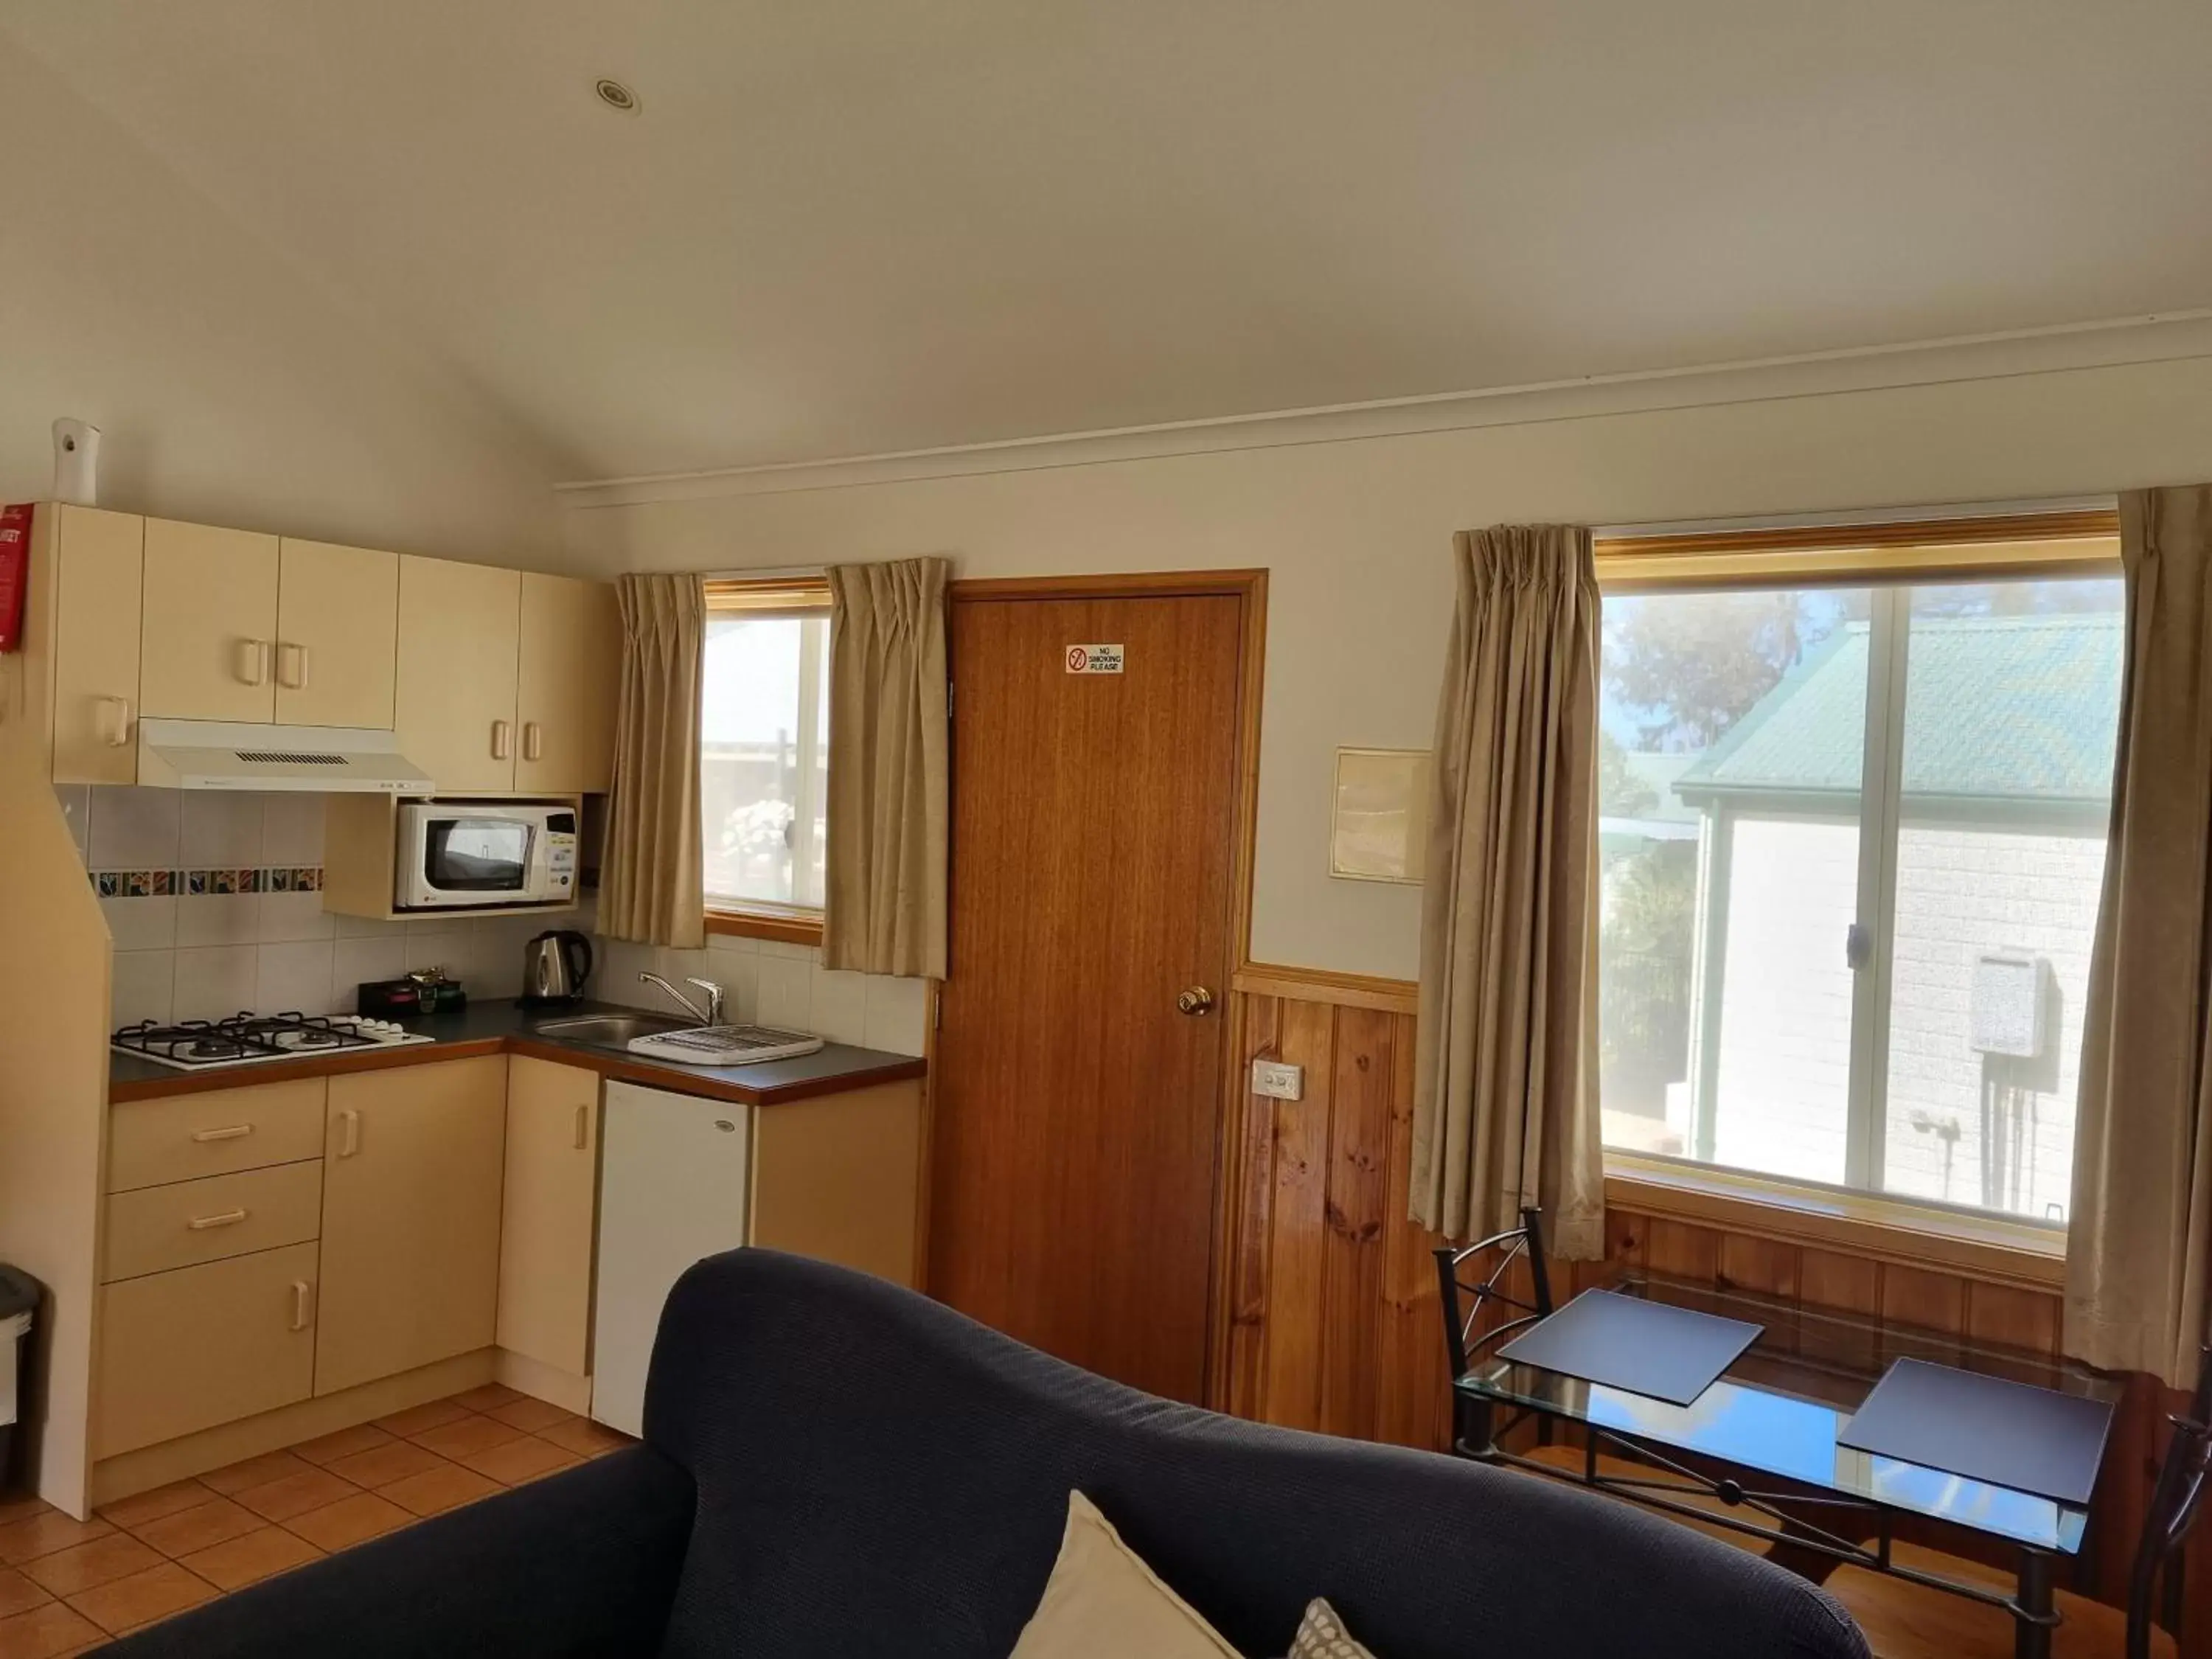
(1763, 1439)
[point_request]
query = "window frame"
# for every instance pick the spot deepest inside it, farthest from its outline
(1890, 558)
(796, 597)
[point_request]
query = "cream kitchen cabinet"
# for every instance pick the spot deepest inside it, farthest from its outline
(207, 649)
(567, 686)
(506, 679)
(545, 1234)
(338, 625)
(412, 1172)
(252, 628)
(78, 690)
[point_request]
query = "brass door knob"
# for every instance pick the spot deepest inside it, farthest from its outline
(1196, 1001)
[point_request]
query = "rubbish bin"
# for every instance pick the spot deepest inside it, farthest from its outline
(19, 1300)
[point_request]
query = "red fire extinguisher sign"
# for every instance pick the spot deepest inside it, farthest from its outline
(14, 572)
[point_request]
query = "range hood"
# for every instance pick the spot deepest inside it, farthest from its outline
(317, 759)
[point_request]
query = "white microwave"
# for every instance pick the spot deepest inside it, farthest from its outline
(479, 854)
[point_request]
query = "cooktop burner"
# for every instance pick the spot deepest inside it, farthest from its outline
(247, 1037)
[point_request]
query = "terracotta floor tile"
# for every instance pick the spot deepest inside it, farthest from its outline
(46, 1631)
(295, 1494)
(21, 1506)
(469, 1435)
(42, 1535)
(490, 1397)
(585, 1437)
(85, 1566)
(416, 1419)
(17, 1593)
(197, 1528)
(380, 1466)
(349, 1521)
(522, 1460)
(129, 1512)
(435, 1491)
(328, 1449)
(127, 1603)
(252, 1557)
(530, 1415)
(254, 1472)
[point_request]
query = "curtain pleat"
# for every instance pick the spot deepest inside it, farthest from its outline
(652, 879)
(1505, 1108)
(2139, 1237)
(884, 909)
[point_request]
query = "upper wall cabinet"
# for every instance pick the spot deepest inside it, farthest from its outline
(458, 629)
(81, 644)
(209, 648)
(571, 662)
(337, 629)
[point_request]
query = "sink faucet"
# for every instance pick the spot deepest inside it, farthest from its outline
(711, 1015)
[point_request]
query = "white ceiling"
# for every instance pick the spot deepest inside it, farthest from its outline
(841, 227)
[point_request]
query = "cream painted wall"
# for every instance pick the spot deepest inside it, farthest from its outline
(229, 386)
(1357, 536)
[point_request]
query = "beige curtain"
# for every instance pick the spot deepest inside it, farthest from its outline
(1505, 1108)
(883, 906)
(652, 886)
(2139, 1245)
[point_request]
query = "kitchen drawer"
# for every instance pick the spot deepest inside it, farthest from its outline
(152, 1142)
(184, 1351)
(155, 1229)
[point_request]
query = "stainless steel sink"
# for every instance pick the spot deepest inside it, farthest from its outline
(612, 1030)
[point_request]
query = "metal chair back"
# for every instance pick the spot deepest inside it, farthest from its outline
(2176, 1500)
(1467, 1299)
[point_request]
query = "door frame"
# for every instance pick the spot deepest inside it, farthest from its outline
(1249, 585)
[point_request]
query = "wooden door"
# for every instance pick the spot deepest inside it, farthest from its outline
(454, 701)
(412, 1170)
(545, 1236)
(338, 625)
(567, 686)
(1093, 848)
(208, 645)
(98, 569)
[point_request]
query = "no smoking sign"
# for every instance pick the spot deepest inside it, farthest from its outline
(1094, 658)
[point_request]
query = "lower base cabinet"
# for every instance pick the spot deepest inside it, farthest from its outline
(184, 1351)
(412, 1170)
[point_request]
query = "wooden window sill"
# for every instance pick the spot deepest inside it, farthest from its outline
(794, 929)
(1987, 1247)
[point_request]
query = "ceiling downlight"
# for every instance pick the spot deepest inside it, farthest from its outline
(615, 95)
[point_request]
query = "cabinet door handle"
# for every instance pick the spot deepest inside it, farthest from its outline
(200, 1223)
(115, 722)
(292, 666)
(253, 664)
(349, 1132)
(228, 1132)
(502, 739)
(531, 746)
(303, 1298)
(583, 1127)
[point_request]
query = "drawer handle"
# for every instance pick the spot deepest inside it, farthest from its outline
(200, 1223)
(303, 1297)
(349, 1132)
(583, 1127)
(228, 1132)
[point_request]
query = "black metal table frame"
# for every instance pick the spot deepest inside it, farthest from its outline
(2033, 1611)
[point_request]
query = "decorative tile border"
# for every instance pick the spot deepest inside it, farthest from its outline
(158, 884)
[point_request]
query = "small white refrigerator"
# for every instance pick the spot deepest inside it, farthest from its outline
(675, 1184)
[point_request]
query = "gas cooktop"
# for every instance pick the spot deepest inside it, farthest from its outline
(244, 1039)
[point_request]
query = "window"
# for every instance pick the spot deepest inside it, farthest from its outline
(1852, 843)
(764, 755)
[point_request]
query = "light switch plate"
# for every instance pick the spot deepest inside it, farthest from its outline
(1279, 1079)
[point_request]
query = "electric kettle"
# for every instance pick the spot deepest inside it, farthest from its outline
(555, 966)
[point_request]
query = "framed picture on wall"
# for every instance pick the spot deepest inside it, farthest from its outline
(1379, 824)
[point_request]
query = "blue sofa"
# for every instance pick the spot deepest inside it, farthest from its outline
(833, 1466)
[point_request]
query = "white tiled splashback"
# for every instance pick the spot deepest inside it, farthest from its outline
(774, 984)
(202, 956)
